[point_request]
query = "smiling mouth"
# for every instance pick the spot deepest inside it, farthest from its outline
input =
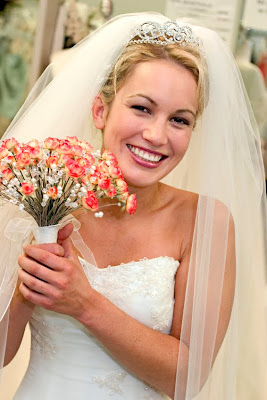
(146, 155)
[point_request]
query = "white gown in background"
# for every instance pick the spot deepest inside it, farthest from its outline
(68, 363)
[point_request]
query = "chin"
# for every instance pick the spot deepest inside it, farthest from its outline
(145, 178)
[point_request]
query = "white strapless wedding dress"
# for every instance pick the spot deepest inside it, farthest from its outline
(68, 363)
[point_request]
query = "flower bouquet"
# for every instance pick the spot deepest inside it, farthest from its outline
(51, 179)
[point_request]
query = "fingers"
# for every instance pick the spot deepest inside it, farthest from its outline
(54, 248)
(36, 270)
(65, 232)
(33, 283)
(35, 297)
(43, 256)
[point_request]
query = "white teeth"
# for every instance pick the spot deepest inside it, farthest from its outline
(145, 155)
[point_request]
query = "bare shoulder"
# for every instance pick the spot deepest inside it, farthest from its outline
(220, 214)
(183, 207)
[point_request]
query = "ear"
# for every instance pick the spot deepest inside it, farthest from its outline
(99, 113)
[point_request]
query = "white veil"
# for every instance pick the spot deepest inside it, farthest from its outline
(223, 164)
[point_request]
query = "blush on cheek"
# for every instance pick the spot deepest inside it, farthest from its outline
(182, 145)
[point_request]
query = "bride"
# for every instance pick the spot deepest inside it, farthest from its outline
(161, 309)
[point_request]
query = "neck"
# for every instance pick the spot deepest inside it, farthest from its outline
(147, 197)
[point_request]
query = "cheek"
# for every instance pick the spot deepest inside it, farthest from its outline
(121, 130)
(181, 143)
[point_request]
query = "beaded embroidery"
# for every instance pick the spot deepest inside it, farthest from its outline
(42, 337)
(161, 315)
(113, 381)
(147, 278)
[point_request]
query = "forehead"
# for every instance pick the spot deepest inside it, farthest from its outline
(161, 79)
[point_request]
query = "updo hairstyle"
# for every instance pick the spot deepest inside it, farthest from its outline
(134, 54)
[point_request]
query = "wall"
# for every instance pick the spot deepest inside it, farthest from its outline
(129, 6)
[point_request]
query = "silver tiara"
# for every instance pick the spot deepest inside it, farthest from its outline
(170, 32)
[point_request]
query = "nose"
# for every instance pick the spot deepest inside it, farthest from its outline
(156, 133)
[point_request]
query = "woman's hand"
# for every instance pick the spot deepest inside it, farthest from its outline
(52, 277)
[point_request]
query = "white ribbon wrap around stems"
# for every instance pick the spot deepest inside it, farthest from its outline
(46, 234)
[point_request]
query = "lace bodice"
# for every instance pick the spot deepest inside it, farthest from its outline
(76, 365)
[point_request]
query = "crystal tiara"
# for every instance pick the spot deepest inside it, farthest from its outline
(168, 33)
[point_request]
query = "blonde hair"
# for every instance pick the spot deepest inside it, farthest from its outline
(134, 54)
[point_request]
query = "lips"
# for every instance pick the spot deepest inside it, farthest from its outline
(146, 155)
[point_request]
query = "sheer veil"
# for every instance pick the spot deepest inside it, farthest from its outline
(223, 165)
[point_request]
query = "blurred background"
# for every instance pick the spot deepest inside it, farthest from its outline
(35, 32)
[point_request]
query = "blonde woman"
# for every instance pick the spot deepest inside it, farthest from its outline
(161, 310)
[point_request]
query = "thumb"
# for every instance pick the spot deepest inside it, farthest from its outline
(65, 241)
(64, 233)
(69, 251)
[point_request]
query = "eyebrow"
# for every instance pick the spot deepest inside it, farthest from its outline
(155, 104)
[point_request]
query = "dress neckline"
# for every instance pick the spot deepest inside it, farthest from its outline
(131, 263)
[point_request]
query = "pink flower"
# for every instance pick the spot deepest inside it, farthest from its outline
(36, 152)
(3, 152)
(27, 188)
(52, 192)
(73, 140)
(64, 158)
(77, 150)
(33, 143)
(10, 159)
(104, 183)
(52, 161)
(51, 143)
(23, 159)
(90, 201)
(102, 167)
(111, 192)
(10, 143)
(7, 174)
(83, 162)
(123, 197)
(64, 147)
(108, 156)
(21, 148)
(89, 158)
(131, 204)
(86, 146)
(121, 185)
(115, 171)
(74, 169)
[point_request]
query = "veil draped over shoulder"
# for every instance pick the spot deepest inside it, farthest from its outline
(223, 165)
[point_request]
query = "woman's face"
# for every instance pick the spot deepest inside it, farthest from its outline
(149, 124)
